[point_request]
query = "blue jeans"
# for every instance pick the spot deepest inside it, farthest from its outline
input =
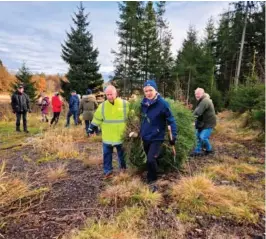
(75, 115)
(203, 140)
(107, 157)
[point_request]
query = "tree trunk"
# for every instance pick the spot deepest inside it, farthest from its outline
(241, 47)
(188, 86)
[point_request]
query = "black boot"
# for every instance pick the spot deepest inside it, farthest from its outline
(18, 129)
(25, 130)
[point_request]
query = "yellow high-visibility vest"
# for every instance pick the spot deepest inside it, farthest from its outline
(111, 118)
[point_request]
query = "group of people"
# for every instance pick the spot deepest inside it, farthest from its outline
(111, 117)
(56, 107)
(86, 106)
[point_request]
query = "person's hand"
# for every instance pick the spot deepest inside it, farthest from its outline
(172, 142)
(133, 135)
(91, 132)
(29, 111)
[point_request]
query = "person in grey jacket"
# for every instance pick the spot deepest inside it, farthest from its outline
(205, 122)
(20, 103)
(87, 107)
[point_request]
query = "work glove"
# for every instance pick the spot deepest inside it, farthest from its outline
(92, 129)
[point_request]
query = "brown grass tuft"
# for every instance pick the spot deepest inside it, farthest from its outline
(130, 192)
(54, 174)
(198, 195)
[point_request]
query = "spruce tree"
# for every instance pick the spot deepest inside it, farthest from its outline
(79, 53)
(24, 78)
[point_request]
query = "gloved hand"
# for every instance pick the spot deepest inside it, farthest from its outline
(29, 111)
(172, 142)
(92, 129)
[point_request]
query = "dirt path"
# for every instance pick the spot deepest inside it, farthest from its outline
(72, 200)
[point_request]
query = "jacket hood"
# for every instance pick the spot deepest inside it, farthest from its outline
(88, 97)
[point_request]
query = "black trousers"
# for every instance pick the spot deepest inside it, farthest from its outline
(152, 150)
(24, 118)
(55, 117)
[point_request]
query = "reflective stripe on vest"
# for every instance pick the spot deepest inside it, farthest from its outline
(115, 121)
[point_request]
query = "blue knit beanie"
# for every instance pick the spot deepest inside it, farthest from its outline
(88, 92)
(151, 83)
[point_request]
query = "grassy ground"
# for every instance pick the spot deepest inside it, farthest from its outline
(51, 186)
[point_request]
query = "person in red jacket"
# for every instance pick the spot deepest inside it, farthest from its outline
(57, 106)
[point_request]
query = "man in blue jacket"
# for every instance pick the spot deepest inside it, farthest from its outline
(73, 108)
(156, 115)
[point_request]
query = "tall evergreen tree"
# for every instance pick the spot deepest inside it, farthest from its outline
(165, 61)
(186, 63)
(24, 78)
(126, 59)
(79, 53)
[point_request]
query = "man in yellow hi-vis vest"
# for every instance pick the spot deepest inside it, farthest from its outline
(111, 117)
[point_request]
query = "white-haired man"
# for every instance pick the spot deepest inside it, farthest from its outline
(111, 117)
(205, 122)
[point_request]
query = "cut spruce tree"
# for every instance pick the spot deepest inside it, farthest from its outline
(134, 153)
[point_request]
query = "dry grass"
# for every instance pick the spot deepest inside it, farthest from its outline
(6, 113)
(231, 126)
(16, 196)
(124, 226)
(130, 192)
(198, 195)
(60, 142)
(232, 172)
(121, 177)
(55, 174)
(95, 138)
(90, 160)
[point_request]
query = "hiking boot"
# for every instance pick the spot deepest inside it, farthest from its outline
(153, 188)
(209, 152)
(18, 130)
(26, 131)
(108, 175)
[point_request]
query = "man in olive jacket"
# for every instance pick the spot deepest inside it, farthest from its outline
(87, 107)
(20, 103)
(205, 122)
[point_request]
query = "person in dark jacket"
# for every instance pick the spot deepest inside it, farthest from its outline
(20, 103)
(73, 108)
(205, 122)
(87, 107)
(57, 107)
(155, 116)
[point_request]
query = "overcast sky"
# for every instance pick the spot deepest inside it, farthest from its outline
(33, 31)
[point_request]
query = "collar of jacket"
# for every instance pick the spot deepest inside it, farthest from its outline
(115, 100)
(148, 102)
(203, 97)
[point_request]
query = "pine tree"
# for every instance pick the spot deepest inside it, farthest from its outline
(127, 70)
(150, 43)
(79, 53)
(165, 61)
(186, 63)
(24, 78)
